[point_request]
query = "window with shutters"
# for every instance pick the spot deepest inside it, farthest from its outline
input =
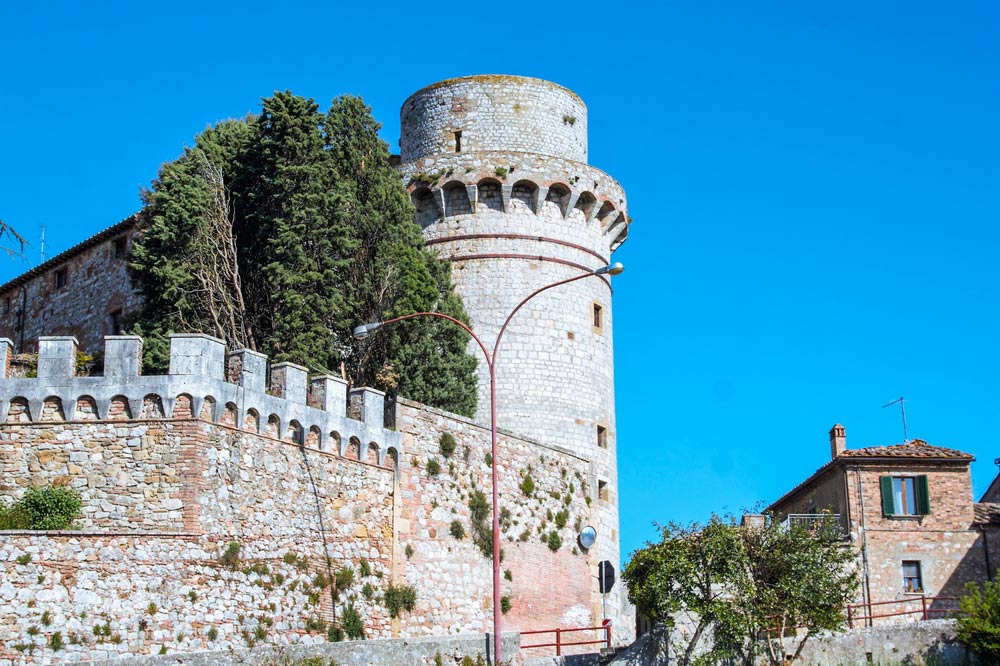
(905, 495)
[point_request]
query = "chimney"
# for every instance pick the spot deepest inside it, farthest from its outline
(838, 440)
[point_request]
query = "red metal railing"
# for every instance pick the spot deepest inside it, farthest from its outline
(927, 609)
(560, 643)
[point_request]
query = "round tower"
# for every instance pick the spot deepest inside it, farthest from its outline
(496, 167)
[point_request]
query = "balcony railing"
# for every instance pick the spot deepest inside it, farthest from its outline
(829, 523)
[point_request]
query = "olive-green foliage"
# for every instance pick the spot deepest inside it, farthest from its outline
(344, 578)
(231, 555)
(479, 509)
(505, 604)
(49, 508)
(457, 530)
(446, 444)
(350, 622)
(433, 467)
(321, 231)
(364, 569)
(399, 598)
(748, 585)
(561, 518)
(979, 620)
(553, 541)
(527, 485)
(488, 459)
(56, 641)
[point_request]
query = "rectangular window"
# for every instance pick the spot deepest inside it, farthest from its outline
(62, 278)
(458, 141)
(602, 437)
(905, 495)
(115, 322)
(602, 490)
(120, 247)
(912, 580)
(598, 318)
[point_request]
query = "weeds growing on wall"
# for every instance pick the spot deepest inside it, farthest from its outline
(48, 508)
(398, 599)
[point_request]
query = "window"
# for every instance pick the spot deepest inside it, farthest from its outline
(62, 278)
(458, 141)
(115, 322)
(602, 490)
(602, 437)
(598, 318)
(912, 580)
(905, 495)
(120, 247)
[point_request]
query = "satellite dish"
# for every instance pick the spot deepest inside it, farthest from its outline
(588, 535)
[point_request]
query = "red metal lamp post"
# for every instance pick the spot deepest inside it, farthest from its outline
(365, 330)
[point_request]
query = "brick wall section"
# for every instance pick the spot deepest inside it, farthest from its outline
(162, 499)
(97, 285)
(946, 542)
(549, 588)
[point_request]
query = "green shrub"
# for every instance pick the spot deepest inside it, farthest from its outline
(368, 591)
(446, 444)
(48, 508)
(561, 518)
(457, 529)
(231, 555)
(508, 575)
(408, 551)
(504, 604)
(553, 541)
(978, 623)
(527, 485)
(350, 622)
(488, 459)
(334, 634)
(364, 569)
(56, 641)
(344, 578)
(479, 509)
(14, 517)
(433, 467)
(24, 559)
(398, 599)
(212, 633)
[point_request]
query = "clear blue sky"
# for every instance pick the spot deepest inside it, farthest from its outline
(815, 189)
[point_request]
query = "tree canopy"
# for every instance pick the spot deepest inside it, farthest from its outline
(283, 231)
(748, 590)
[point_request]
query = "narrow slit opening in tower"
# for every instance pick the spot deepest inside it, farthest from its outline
(598, 317)
(458, 141)
(602, 437)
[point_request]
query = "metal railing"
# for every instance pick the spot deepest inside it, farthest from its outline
(560, 642)
(930, 608)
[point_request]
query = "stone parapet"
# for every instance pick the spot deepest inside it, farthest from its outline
(197, 371)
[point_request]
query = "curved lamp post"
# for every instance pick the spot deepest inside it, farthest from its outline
(363, 331)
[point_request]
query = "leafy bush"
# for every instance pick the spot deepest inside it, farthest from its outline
(553, 541)
(231, 555)
(457, 529)
(350, 622)
(364, 569)
(561, 518)
(979, 621)
(478, 507)
(398, 599)
(344, 578)
(46, 508)
(527, 485)
(504, 604)
(446, 444)
(433, 467)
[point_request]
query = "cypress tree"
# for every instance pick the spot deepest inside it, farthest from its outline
(324, 238)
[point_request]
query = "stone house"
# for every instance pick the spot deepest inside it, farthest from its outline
(908, 510)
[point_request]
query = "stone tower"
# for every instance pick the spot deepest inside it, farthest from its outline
(497, 169)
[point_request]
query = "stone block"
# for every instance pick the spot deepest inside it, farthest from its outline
(368, 405)
(197, 354)
(329, 393)
(288, 381)
(122, 356)
(248, 369)
(6, 351)
(56, 357)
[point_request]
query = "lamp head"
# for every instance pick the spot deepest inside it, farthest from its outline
(363, 331)
(611, 269)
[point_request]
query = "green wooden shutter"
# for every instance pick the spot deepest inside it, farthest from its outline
(923, 497)
(888, 507)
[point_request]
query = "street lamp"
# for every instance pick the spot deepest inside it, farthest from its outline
(363, 331)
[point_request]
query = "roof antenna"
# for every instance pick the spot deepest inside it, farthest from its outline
(41, 254)
(902, 408)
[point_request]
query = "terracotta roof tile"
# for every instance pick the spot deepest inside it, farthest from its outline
(916, 448)
(987, 512)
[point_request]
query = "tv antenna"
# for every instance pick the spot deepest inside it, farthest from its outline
(902, 409)
(41, 254)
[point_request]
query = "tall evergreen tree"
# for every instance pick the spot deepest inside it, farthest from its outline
(391, 274)
(323, 236)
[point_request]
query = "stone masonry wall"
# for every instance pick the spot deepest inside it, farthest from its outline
(547, 587)
(945, 542)
(97, 292)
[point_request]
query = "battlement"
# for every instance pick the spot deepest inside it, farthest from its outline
(203, 382)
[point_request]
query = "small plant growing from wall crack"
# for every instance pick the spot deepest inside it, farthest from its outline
(56, 641)
(569, 120)
(24, 559)
(399, 599)
(527, 484)
(433, 467)
(446, 444)
(231, 555)
(350, 622)
(457, 530)
(505, 604)
(553, 541)
(501, 172)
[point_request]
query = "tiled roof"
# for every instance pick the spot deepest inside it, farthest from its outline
(62, 257)
(916, 448)
(987, 512)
